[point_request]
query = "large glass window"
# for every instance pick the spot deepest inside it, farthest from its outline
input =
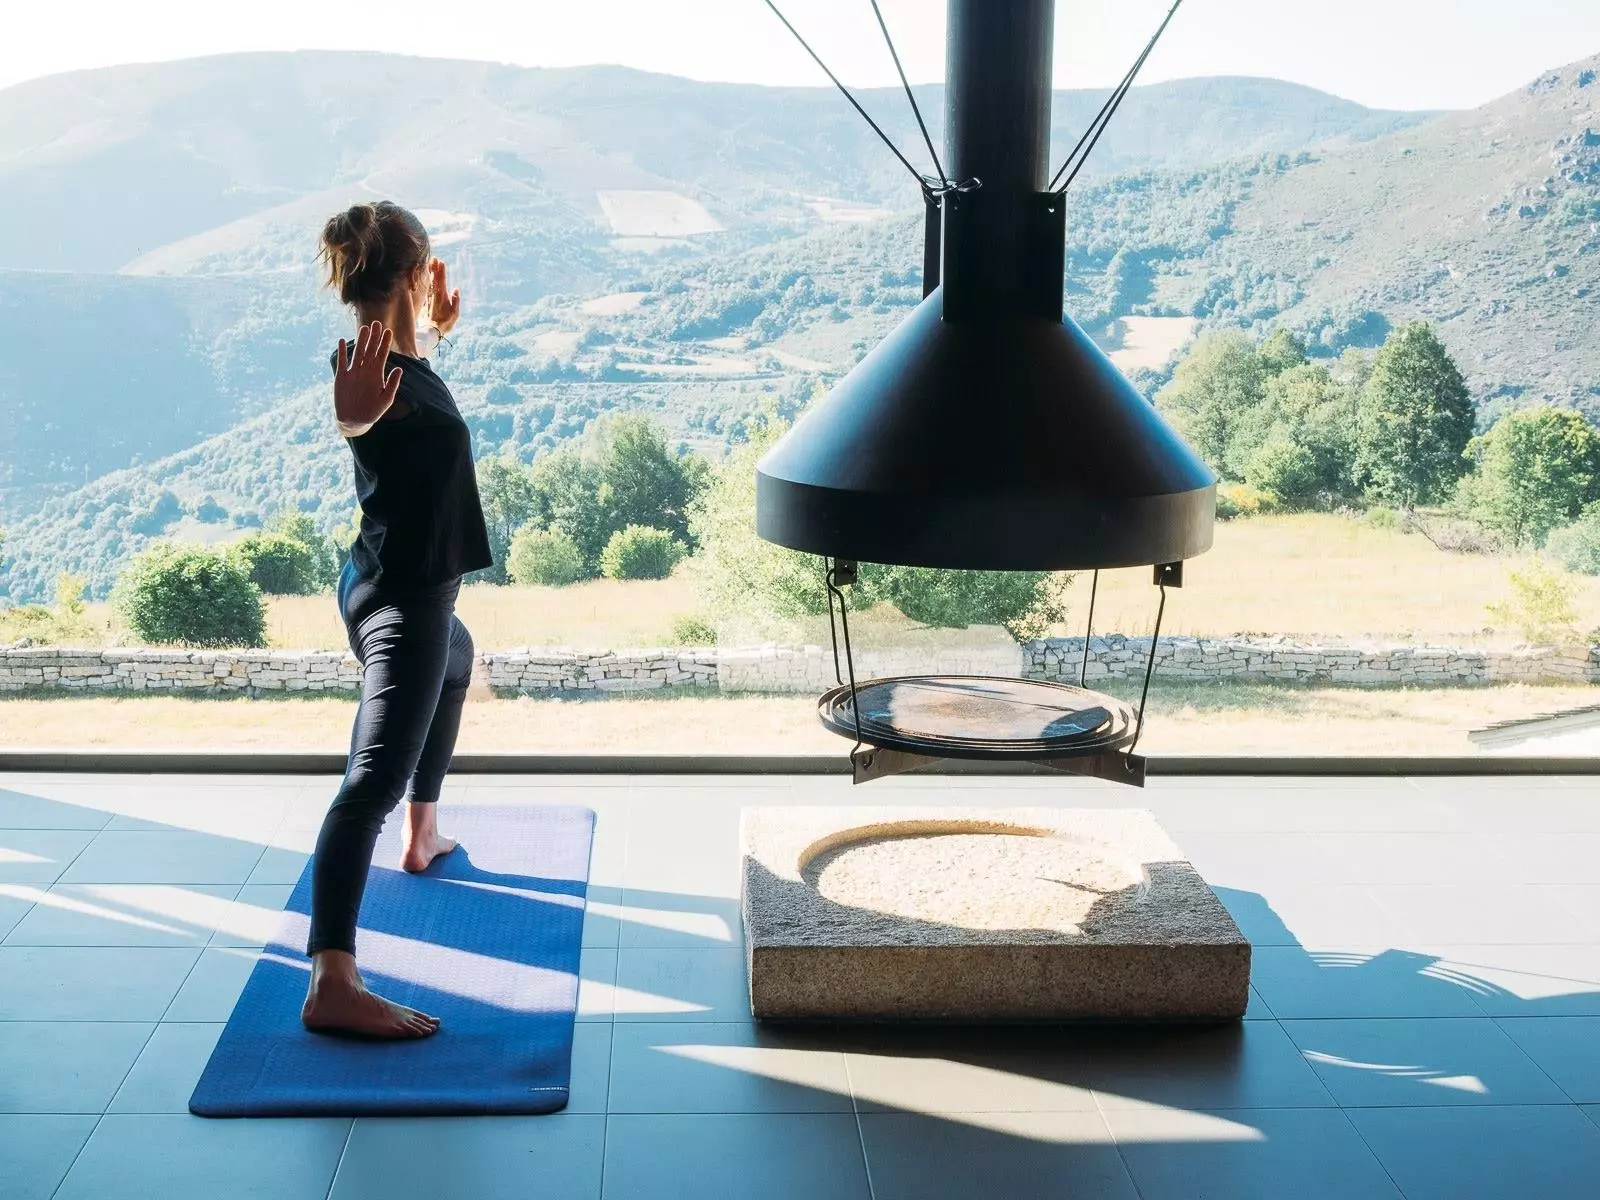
(1373, 317)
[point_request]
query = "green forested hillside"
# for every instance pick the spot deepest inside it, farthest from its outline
(179, 394)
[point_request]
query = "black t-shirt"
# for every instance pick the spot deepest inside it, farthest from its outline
(421, 520)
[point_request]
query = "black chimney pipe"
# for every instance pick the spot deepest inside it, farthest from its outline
(988, 431)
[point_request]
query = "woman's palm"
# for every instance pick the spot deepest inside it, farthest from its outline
(363, 386)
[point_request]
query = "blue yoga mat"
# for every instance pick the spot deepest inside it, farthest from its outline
(487, 940)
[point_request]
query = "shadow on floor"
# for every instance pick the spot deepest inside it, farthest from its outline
(1342, 1091)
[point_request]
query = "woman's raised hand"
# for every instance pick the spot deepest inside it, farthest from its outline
(362, 391)
(446, 304)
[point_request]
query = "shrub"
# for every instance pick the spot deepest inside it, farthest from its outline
(639, 552)
(67, 622)
(1242, 500)
(544, 558)
(190, 595)
(279, 565)
(1540, 607)
(1025, 603)
(693, 630)
(1453, 536)
(1577, 546)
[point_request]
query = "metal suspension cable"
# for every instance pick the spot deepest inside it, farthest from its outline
(916, 111)
(1109, 109)
(1092, 126)
(854, 103)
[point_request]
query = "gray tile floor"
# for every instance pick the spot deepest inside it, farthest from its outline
(1425, 1020)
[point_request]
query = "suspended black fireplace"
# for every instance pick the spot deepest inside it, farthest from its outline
(989, 431)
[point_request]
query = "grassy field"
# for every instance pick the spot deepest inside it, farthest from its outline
(602, 612)
(1185, 719)
(1322, 575)
(1307, 575)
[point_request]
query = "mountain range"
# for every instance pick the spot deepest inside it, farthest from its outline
(627, 240)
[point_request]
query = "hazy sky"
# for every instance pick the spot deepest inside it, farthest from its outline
(1388, 53)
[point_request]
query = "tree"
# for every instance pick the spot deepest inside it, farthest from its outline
(639, 552)
(740, 574)
(737, 572)
(1213, 389)
(1282, 351)
(649, 484)
(1536, 470)
(1577, 546)
(1297, 444)
(299, 527)
(510, 500)
(572, 495)
(544, 558)
(190, 595)
(1415, 419)
(1265, 416)
(1025, 603)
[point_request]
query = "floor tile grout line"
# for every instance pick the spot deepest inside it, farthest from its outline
(97, 1121)
(1362, 1138)
(1533, 1062)
(1116, 1144)
(605, 1113)
(333, 1180)
(861, 1139)
(100, 1119)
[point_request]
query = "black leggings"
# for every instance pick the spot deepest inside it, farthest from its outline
(417, 657)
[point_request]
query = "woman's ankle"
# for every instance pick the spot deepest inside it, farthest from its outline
(335, 966)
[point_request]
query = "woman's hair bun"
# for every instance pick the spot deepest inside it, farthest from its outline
(370, 249)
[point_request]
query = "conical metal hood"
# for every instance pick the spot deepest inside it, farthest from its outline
(1009, 444)
(988, 431)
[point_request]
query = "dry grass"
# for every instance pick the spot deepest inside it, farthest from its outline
(602, 613)
(1306, 575)
(1319, 575)
(1185, 719)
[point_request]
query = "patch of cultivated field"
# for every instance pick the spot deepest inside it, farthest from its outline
(1151, 341)
(655, 214)
(613, 305)
(837, 211)
(1185, 719)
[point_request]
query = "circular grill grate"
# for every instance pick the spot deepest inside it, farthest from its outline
(973, 716)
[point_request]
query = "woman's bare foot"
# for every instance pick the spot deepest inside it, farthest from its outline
(338, 1002)
(421, 838)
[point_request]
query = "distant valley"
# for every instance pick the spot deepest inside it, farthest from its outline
(629, 241)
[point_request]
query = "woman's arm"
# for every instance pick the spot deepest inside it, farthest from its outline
(362, 393)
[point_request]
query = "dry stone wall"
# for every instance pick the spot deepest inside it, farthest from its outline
(802, 669)
(1284, 660)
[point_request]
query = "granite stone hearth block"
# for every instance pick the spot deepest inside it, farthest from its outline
(957, 914)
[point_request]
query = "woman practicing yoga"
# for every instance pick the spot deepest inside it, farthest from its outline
(421, 530)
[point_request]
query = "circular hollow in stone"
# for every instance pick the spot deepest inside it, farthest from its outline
(973, 875)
